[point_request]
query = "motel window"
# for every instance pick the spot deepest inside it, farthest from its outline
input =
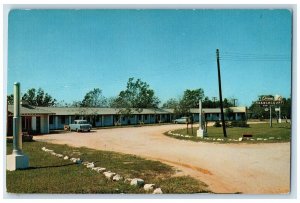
(97, 118)
(140, 117)
(51, 118)
(123, 118)
(63, 119)
(146, 117)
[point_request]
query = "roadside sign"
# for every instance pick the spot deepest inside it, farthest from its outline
(277, 109)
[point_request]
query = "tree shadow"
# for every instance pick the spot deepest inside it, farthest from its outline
(55, 166)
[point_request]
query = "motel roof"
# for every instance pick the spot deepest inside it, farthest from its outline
(27, 110)
(99, 111)
(31, 110)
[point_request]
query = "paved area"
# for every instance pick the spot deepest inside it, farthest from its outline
(226, 168)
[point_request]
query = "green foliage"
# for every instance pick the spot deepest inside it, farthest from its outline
(217, 124)
(38, 98)
(137, 95)
(229, 113)
(207, 103)
(10, 99)
(242, 124)
(94, 98)
(171, 104)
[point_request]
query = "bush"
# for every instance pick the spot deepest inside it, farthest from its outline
(217, 124)
(242, 124)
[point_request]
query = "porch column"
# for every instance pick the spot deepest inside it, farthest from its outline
(55, 122)
(70, 119)
(45, 124)
(33, 122)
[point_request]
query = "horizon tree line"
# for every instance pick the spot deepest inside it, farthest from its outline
(138, 95)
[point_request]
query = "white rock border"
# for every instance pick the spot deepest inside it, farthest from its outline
(138, 182)
(240, 139)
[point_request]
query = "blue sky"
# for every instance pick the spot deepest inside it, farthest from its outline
(69, 52)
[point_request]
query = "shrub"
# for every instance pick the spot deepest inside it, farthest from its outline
(242, 124)
(217, 124)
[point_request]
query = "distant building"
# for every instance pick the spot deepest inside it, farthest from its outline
(41, 120)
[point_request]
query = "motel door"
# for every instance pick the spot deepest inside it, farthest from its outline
(38, 124)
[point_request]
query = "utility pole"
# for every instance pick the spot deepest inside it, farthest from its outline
(214, 98)
(220, 94)
(234, 101)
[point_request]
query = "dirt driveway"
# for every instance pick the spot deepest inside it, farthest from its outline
(226, 168)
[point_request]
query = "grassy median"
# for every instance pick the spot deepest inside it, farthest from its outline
(50, 174)
(278, 133)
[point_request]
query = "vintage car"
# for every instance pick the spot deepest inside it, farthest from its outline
(181, 120)
(80, 126)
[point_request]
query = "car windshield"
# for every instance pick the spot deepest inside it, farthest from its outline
(82, 122)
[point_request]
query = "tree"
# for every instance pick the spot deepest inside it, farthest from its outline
(10, 99)
(189, 100)
(171, 104)
(137, 95)
(229, 113)
(38, 98)
(94, 98)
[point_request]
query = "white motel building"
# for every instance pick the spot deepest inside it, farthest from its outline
(41, 120)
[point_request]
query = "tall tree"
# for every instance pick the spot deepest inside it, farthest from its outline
(38, 98)
(94, 98)
(171, 104)
(137, 95)
(189, 100)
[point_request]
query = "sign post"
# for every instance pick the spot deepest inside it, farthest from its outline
(200, 132)
(270, 116)
(265, 101)
(279, 116)
(17, 160)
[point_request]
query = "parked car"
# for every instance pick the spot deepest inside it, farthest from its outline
(181, 120)
(80, 125)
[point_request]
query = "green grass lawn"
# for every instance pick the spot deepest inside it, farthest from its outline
(282, 131)
(50, 174)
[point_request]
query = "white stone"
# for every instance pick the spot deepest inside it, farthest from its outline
(53, 153)
(271, 138)
(117, 177)
(157, 191)
(90, 165)
(59, 155)
(259, 139)
(148, 187)
(14, 162)
(137, 182)
(200, 133)
(99, 170)
(219, 139)
(66, 157)
(44, 148)
(109, 174)
(240, 139)
(265, 139)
